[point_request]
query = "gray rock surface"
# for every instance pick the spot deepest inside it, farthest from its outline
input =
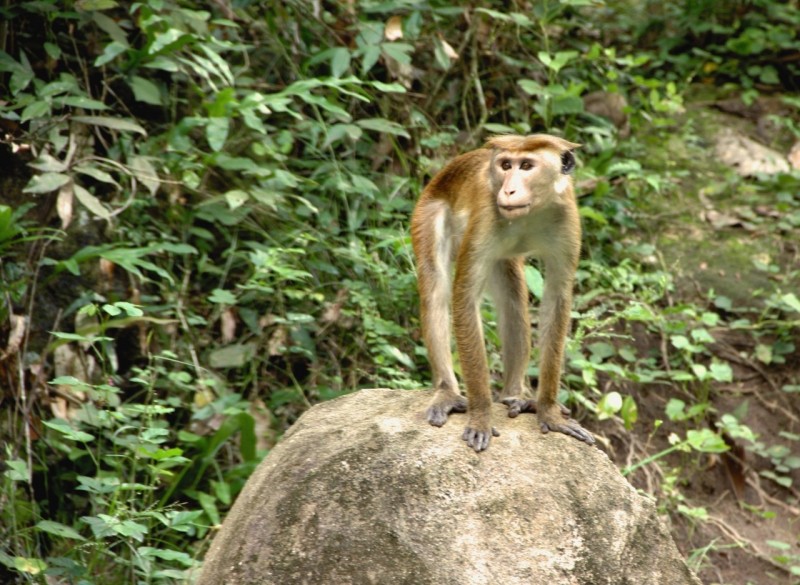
(361, 490)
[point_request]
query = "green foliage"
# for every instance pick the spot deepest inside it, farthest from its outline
(231, 186)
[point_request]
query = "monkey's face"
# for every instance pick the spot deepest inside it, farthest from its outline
(528, 180)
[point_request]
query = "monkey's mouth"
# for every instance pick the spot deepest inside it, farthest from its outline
(511, 211)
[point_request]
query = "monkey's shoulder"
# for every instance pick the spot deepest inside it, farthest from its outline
(465, 169)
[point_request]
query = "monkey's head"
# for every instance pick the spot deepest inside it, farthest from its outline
(529, 172)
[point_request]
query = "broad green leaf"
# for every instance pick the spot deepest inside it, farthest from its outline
(145, 90)
(48, 164)
(498, 128)
(67, 431)
(37, 109)
(706, 441)
(96, 173)
(29, 566)
(17, 470)
(383, 125)
(110, 26)
(111, 51)
(82, 102)
(222, 297)
(217, 132)
(675, 409)
(165, 39)
(170, 555)
(609, 405)
(388, 87)
(121, 124)
(629, 412)
(791, 301)
(88, 5)
(46, 183)
(145, 173)
(721, 372)
(400, 52)
(232, 356)
(91, 202)
(534, 280)
(59, 529)
(340, 61)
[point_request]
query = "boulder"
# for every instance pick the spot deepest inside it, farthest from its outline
(362, 490)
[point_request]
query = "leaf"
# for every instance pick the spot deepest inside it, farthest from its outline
(17, 470)
(400, 52)
(558, 61)
(59, 529)
(64, 204)
(340, 61)
(394, 28)
(222, 297)
(145, 90)
(111, 51)
(721, 372)
(145, 173)
(388, 87)
(534, 280)
(165, 39)
(383, 125)
(29, 566)
(706, 441)
(232, 356)
(78, 101)
(531, 87)
(67, 431)
(46, 183)
(48, 164)
(217, 132)
(91, 202)
(609, 405)
(791, 301)
(122, 124)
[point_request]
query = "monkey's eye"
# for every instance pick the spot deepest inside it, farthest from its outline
(505, 165)
(526, 165)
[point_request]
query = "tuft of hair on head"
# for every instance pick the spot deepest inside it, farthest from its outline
(529, 143)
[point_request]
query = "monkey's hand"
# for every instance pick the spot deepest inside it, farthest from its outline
(442, 406)
(551, 418)
(479, 439)
(519, 405)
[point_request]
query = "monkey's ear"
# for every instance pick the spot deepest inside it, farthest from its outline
(567, 162)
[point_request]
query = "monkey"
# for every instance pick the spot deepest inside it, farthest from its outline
(485, 212)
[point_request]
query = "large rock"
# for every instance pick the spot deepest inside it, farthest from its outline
(362, 490)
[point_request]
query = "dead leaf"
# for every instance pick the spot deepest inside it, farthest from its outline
(794, 156)
(228, 325)
(449, 50)
(64, 204)
(333, 311)
(394, 28)
(278, 341)
(15, 337)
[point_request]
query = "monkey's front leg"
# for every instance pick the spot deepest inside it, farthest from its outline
(554, 325)
(471, 351)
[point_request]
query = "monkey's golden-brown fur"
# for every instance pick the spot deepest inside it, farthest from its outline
(485, 211)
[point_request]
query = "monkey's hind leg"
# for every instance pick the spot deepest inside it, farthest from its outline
(520, 404)
(551, 418)
(444, 402)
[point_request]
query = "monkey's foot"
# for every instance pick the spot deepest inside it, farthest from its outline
(478, 439)
(552, 420)
(442, 406)
(516, 406)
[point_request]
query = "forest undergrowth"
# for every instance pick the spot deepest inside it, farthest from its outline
(204, 213)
